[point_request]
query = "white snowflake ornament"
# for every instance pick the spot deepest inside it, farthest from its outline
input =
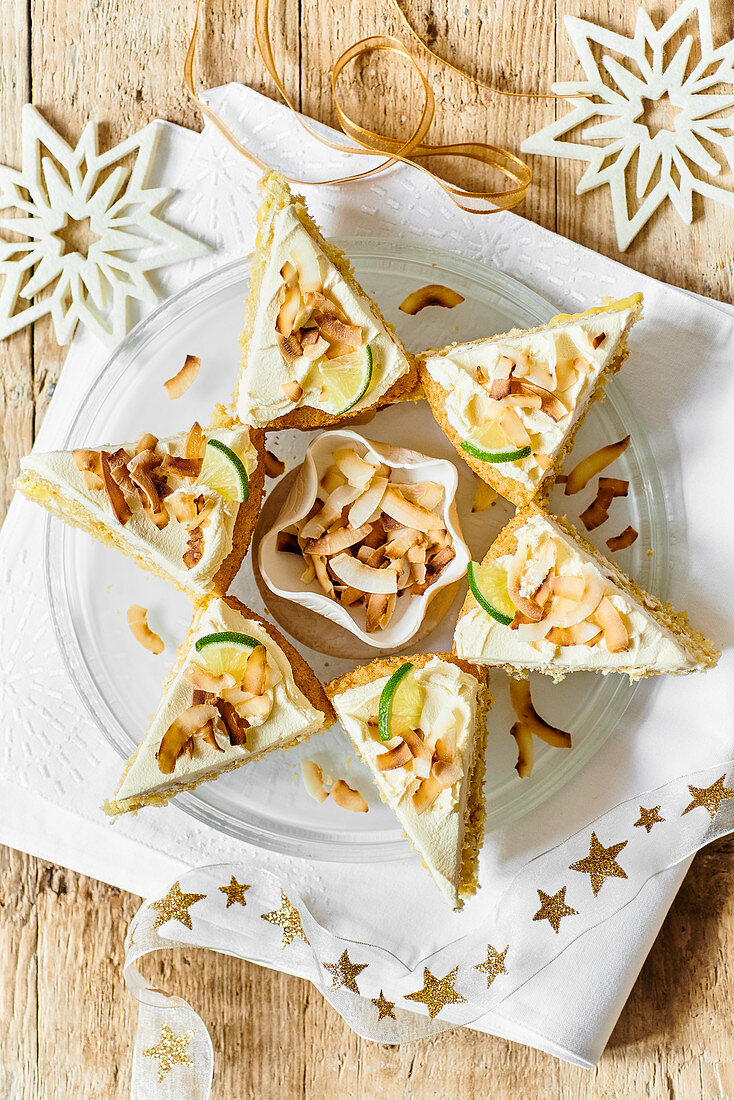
(684, 160)
(92, 234)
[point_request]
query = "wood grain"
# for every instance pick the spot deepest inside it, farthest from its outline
(68, 1022)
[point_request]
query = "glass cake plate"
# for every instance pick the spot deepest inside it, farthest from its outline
(90, 587)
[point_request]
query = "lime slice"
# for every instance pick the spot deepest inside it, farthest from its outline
(490, 444)
(345, 380)
(488, 584)
(401, 703)
(227, 651)
(494, 456)
(224, 471)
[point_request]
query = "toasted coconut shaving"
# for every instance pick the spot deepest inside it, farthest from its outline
(525, 749)
(255, 672)
(184, 727)
(544, 461)
(178, 385)
(292, 390)
(549, 403)
(195, 442)
(422, 755)
(274, 466)
(619, 486)
(183, 506)
(333, 542)
(426, 794)
(313, 780)
(358, 471)
(194, 549)
(398, 508)
(147, 442)
(358, 575)
(204, 681)
(137, 620)
(623, 540)
(181, 467)
(522, 704)
(235, 724)
(434, 294)
(397, 757)
(88, 464)
(598, 511)
(113, 492)
(484, 495)
(589, 467)
(611, 622)
(447, 772)
(349, 799)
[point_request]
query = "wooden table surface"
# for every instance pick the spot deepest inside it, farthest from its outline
(67, 1021)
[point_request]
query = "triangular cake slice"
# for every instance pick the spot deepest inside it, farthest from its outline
(183, 507)
(431, 771)
(315, 347)
(511, 404)
(545, 600)
(237, 691)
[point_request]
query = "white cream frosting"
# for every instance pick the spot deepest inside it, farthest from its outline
(164, 547)
(438, 833)
(260, 397)
(455, 372)
(652, 647)
(292, 716)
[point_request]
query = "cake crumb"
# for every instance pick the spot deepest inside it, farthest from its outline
(650, 552)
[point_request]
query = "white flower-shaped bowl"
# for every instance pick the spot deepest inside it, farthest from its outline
(282, 571)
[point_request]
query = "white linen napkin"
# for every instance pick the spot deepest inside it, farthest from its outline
(57, 770)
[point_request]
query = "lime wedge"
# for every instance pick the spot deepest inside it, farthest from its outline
(488, 584)
(401, 703)
(494, 456)
(224, 471)
(227, 651)
(345, 380)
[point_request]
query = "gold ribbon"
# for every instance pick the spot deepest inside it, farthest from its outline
(412, 150)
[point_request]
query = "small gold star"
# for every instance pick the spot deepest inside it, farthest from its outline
(171, 1051)
(289, 920)
(175, 906)
(235, 892)
(709, 797)
(554, 908)
(495, 964)
(648, 818)
(601, 863)
(437, 992)
(384, 1007)
(344, 972)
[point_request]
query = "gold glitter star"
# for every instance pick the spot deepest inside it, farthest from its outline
(235, 892)
(709, 797)
(648, 818)
(601, 863)
(344, 972)
(554, 908)
(495, 964)
(175, 906)
(437, 992)
(289, 920)
(384, 1007)
(171, 1051)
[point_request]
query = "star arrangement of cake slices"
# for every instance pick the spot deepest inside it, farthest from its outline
(315, 350)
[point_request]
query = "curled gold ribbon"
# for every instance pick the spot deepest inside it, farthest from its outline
(412, 150)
